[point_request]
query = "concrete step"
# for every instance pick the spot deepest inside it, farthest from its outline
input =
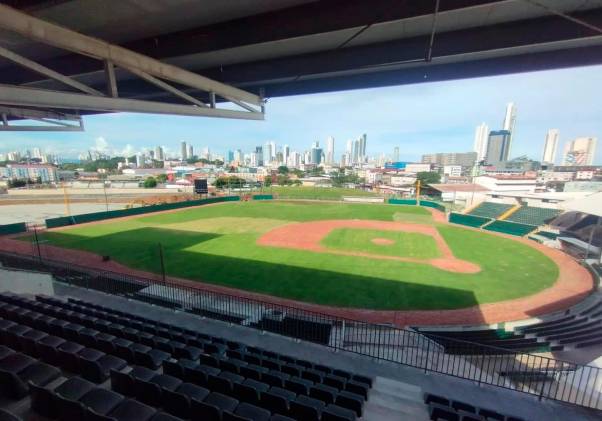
(393, 400)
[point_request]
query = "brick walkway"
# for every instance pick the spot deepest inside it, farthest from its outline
(573, 284)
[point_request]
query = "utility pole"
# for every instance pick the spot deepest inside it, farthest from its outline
(104, 188)
(35, 234)
(162, 262)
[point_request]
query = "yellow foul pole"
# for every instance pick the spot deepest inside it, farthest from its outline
(66, 200)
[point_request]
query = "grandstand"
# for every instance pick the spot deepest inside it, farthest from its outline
(490, 210)
(529, 215)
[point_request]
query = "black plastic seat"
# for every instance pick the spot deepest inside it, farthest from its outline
(98, 370)
(126, 410)
(336, 413)
(278, 417)
(151, 391)
(203, 411)
(71, 331)
(8, 416)
(200, 374)
(313, 375)
(273, 402)
(275, 378)
(11, 336)
(304, 411)
(162, 416)
(252, 412)
(221, 401)
(179, 401)
(105, 343)
(16, 362)
(219, 384)
(42, 401)
(298, 385)
(29, 339)
(67, 355)
(351, 401)
(100, 401)
(357, 387)
(430, 398)
(441, 412)
(40, 374)
(152, 358)
(324, 393)
(5, 351)
(188, 351)
(334, 381)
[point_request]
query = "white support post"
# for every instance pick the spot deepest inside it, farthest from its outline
(110, 78)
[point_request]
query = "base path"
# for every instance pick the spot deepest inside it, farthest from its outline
(574, 283)
(308, 235)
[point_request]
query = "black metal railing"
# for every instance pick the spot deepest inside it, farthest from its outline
(528, 373)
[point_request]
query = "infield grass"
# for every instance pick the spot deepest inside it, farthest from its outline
(217, 244)
(403, 244)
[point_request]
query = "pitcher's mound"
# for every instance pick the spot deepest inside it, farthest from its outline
(382, 241)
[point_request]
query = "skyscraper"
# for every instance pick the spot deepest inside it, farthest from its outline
(316, 156)
(510, 121)
(159, 155)
(286, 152)
(481, 137)
(356, 152)
(498, 148)
(549, 148)
(396, 154)
(580, 151)
(190, 152)
(183, 151)
(267, 153)
(362, 151)
(330, 150)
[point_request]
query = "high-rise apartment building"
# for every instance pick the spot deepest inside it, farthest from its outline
(498, 148)
(481, 137)
(190, 152)
(330, 150)
(550, 147)
(159, 155)
(396, 154)
(286, 152)
(464, 159)
(510, 122)
(316, 155)
(362, 148)
(580, 151)
(183, 151)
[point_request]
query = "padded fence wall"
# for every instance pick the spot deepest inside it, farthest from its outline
(511, 228)
(468, 220)
(13, 228)
(263, 197)
(429, 204)
(402, 201)
(99, 216)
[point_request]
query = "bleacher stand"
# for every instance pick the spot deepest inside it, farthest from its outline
(490, 210)
(529, 215)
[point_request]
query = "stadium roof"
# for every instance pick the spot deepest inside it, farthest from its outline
(591, 204)
(288, 47)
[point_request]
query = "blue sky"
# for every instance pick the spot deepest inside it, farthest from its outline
(422, 118)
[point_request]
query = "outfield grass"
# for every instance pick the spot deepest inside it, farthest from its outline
(404, 244)
(317, 193)
(217, 244)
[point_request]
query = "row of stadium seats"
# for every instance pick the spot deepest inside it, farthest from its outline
(227, 378)
(580, 330)
(490, 210)
(453, 341)
(533, 216)
(445, 409)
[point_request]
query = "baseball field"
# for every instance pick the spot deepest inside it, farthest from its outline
(371, 256)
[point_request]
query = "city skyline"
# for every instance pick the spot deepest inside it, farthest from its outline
(413, 118)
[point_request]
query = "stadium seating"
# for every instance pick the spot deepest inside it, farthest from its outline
(468, 220)
(529, 215)
(203, 377)
(490, 210)
(512, 228)
(443, 408)
(580, 330)
(501, 340)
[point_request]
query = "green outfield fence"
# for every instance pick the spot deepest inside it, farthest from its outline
(413, 202)
(512, 228)
(263, 197)
(99, 216)
(13, 228)
(468, 220)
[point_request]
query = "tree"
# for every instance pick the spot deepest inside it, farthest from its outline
(298, 173)
(161, 178)
(150, 183)
(283, 180)
(229, 182)
(267, 182)
(283, 169)
(428, 177)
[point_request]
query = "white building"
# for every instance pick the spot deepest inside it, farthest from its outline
(507, 183)
(550, 147)
(481, 137)
(416, 168)
(510, 121)
(580, 151)
(452, 170)
(330, 150)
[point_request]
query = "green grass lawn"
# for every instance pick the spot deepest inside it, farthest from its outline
(318, 193)
(217, 244)
(405, 244)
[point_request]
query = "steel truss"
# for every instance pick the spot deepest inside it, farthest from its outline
(46, 102)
